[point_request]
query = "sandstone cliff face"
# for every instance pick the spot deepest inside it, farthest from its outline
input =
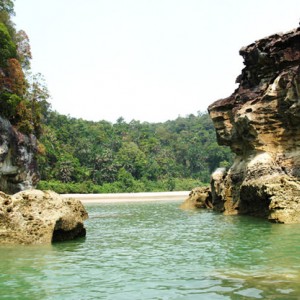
(260, 121)
(18, 168)
(37, 217)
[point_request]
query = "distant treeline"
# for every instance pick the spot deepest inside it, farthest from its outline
(89, 157)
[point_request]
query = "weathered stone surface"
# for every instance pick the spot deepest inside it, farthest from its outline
(35, 217)
(18, 167)
(199, 197)
(260, 121)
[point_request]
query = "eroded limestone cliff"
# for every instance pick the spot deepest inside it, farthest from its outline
(18, 168)
(260, 122)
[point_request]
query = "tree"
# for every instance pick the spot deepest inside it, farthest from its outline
(132, 159)
(8, 48)
(68, 169)
(23, 49)
(105, 169)
(7, 6)
(9, 103)
(125, 179)
(37, 95)
(15, 77)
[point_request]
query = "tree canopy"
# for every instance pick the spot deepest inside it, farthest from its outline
(7, 6)
(139, 155)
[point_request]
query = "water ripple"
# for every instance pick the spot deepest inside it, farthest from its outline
(157, 251)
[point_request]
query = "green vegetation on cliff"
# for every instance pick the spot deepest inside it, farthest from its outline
(23, 97)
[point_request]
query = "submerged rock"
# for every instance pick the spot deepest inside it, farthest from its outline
(260, 122)
(18, 167)
(199, 197)
(35, 217)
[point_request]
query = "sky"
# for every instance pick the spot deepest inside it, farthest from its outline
(147, 60)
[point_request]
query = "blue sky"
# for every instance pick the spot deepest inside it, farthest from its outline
(148, 60)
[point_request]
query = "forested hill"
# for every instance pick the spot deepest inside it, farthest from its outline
(83, 156)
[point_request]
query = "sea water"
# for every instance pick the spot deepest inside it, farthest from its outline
(154, 250)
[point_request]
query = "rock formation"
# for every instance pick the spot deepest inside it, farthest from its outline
(18, 168)
(36, 217)
(199, 197)
(260, 122)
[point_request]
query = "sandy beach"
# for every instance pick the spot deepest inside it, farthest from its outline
(129, 197)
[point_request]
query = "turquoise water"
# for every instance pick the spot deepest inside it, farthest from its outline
(157, 251)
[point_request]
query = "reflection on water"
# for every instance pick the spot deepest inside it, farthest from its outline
(157, 251)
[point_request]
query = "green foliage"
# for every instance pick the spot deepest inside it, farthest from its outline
(131, 186)
(23, 49)
(128, 157)
(9, 103)
(132, 159)
(23, 99)
(8, 48)
(7, 6)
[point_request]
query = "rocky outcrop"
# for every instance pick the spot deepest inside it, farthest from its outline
(18, 168)
(199, 197)
(260, 122)
(37, 217)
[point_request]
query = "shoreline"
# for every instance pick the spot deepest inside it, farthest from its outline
(129, 197)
